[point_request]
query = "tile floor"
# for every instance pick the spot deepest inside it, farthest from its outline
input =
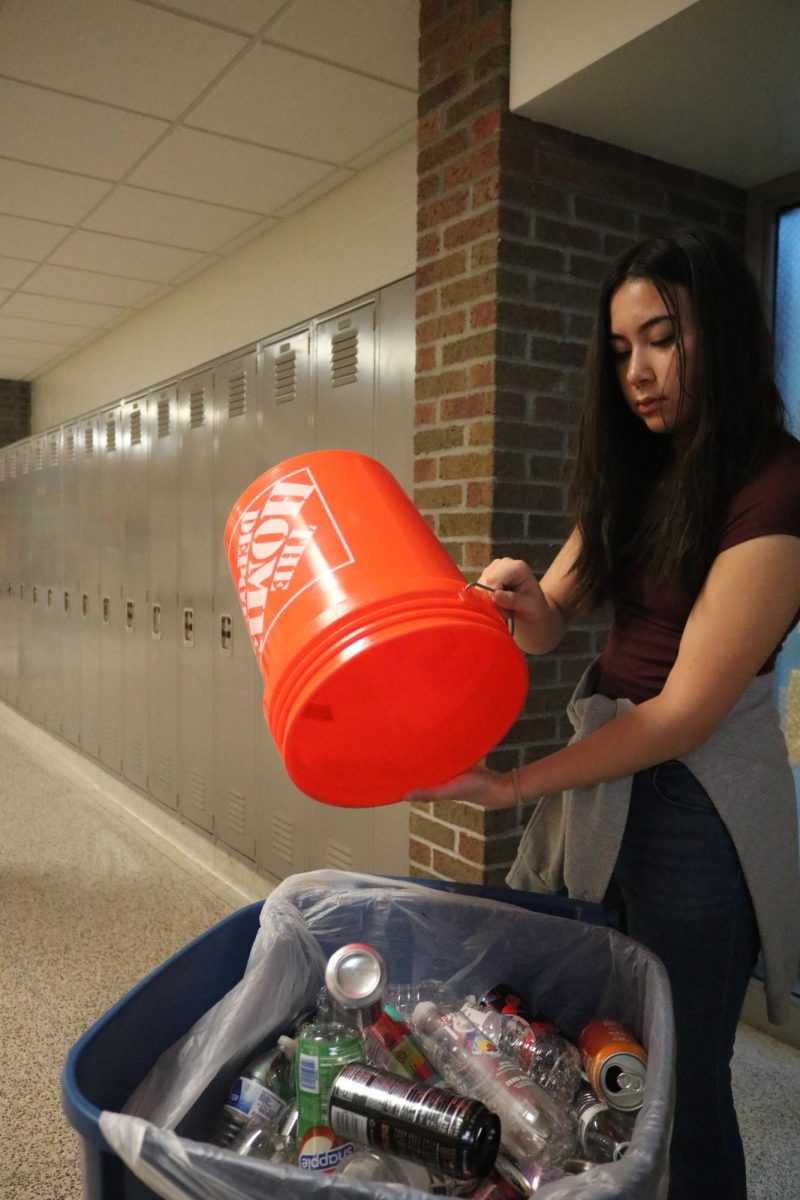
(92, 898)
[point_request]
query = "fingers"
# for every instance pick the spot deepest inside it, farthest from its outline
(506, 574)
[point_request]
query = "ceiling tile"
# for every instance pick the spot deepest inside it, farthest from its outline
(68, 312)
(41, 331)
(333, 116)
(57, 131)
(379, 150)
(202, 166)
(263, 225)
(45, 194)
(113, 51)
(134, 212)
(13, 271)
(246, 15)
(17, 366)
(123, 256)
(29, 347)
(28, 239)
(48, 280)
(4, 295)
(331, 181)
(379, 39)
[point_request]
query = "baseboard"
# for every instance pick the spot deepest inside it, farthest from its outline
(755, 1013)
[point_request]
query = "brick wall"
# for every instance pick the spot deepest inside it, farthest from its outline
(517, 222)
(15, 410)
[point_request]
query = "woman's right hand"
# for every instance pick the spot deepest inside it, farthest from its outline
(539, 624)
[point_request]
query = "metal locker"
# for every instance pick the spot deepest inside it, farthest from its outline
(89, 583)
(6, 568)
(236, 677)
(52, 542)
(13, 607)
(162, 607)
(68, 617)
(196, 559)
(344, 375)
(111, 621)
(35, 650)
(135, 577)
(284, 814)
(25, 591)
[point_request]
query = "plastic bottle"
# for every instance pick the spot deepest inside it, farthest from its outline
(535, 1126)
(404, 997)
(603, 1136)
(370, 1166)
(541, 1051)
(261, 1093)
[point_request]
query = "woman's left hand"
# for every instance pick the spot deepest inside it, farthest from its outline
(478, 785)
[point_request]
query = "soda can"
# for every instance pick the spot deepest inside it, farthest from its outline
(322, 1050)
(614, 1062)
(356, 978)
(454, 1134)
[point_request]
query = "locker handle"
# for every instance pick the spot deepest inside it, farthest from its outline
(34, 594)
(106, 609)
(156, 621)
(129, 615)
(226, 634)
(49, 597)
(85, 605)
(22, 591)
(66, 603)
(188, 627)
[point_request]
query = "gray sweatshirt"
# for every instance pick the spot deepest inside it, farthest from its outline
(572, 840)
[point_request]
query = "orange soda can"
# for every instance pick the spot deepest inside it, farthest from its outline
(614, 1062)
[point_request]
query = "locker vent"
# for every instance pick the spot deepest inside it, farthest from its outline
(88, 441)
(111, 744)
(54, 452)
(2, 468)
(12, 467)
(237, 395)
(163, 774)
(197, 790)
(26, 459)
(163, 418)
(197, 408)
(286, 375)
(38, 461)
(136, 427)
(339, 857)
(111, 434)
(237, 811)
(137, 756)
(344, 357)
(283, 838)
(69, 447)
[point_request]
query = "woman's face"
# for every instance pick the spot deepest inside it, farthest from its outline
(645, 349)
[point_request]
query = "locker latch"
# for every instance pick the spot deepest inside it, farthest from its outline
(156, 621)
(129, 615)
(34, 594)
(226, 634)
(85, 605)
(49, 597)
(188, 627)
(66, 603)
(106, 609)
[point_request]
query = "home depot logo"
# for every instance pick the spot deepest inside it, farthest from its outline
(287, 539)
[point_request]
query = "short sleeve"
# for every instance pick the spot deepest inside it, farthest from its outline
(769, 503)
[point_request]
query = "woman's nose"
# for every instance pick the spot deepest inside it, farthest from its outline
(639, 368)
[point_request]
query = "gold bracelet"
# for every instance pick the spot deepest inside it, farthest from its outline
(518, 801)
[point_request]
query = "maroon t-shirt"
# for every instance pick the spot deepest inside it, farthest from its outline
(649, 617)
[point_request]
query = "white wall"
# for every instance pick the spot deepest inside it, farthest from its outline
(359, 237)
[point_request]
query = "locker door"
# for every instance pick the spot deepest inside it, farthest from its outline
(135, 576)
(36, 642)
(111, 589)
(68, 618)
(284, 813)
(344, 365)
(52, 596)
(162, 614)
(6, 538)
(89, 583)
(236, 677)
(195, 614)
(13, 602)
(344, 377)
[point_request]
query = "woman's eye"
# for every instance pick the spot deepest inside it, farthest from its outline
(665, 341)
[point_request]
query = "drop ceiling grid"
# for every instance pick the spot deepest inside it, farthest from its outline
(142, 141)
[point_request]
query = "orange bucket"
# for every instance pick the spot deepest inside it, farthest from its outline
(383, 672)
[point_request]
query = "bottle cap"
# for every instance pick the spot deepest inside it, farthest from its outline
(356, 976)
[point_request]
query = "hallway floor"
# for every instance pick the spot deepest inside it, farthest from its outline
(92, 898)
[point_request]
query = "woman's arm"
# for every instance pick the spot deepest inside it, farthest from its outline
(542, 609)
(748, 601)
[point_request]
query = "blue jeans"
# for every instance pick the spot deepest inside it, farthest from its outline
(685, 898)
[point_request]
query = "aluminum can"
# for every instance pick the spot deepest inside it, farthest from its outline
(322, 1050)
(454, 1134)
(615, 1064)
(356, 978)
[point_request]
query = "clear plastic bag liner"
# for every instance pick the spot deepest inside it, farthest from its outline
(569, 971)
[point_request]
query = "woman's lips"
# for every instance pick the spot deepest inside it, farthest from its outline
(648, 405)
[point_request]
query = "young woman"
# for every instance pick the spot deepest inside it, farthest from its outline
(676, 788)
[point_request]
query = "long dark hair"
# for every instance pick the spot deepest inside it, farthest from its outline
(632, 512)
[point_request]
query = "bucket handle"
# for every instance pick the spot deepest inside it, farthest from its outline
(509, 617)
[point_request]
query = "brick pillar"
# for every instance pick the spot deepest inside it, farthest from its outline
(15, 410)
(517, 223)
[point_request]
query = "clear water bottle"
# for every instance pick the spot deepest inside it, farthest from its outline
(262, 1091)
(535, 1126)
(370, 1166)
(541, 1051)
(275, 1140)
(603, 1136)
(404, 997)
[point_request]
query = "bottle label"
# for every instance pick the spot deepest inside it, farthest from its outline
(247, 1095)
(319, 1151)
(478, 1043)
(308, 1073)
